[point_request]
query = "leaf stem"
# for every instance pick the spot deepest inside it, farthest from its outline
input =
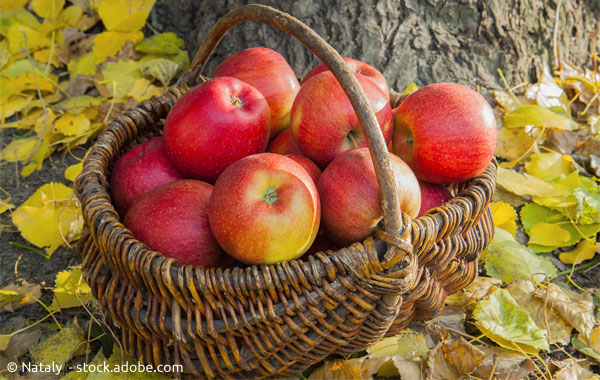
(15, 244)
(576, 269)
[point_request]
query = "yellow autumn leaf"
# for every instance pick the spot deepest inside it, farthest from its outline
(70, 15)
(73, 171)
(13, 105)
(31, 81)
(143, 89)
(47, 8)
(11, 5)
(504, 216)
(5, 205)
(16, 39)
(46, 218)
(585, 250)
(118, 78)
(525, 184)
(72, 125)
(548, 166)
(513, 143)
(47, 54)
(70, 289)
(60, 347)
(108, 44)
(536, 115)
(15, 296)
(548, 234)
(18, 149)
(124, 15)
(84, 65)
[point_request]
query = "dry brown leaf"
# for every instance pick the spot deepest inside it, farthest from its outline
(408, 369)
(450, 320)
(570, 370)
(576, 308)
(25, 293)
(19, 344)
(479, 288)
(509, 365)
(557, 329)
(452, 360)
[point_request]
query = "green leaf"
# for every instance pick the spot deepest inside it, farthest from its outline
(407, 343)
(410, 88)
(59, 347)
(500, 318)
(78, 104)
(161, 69)
(532, 214)
(509, 261)
(164, 43)
(533, 114)
(84, 65)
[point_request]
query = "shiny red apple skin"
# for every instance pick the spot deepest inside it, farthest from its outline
(350, 199)
(139, 170)
(324, 122)
(215, 124)
(269, 72)
(445, 132)
(311, 168)
(173, 220)
(358, 67)
(265, 209)
(432, 195)
(285, 143)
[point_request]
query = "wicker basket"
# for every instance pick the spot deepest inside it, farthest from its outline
(274, 319)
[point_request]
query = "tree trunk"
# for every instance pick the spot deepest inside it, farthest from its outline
(464, 41)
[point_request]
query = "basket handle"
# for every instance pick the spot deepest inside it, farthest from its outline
(392, 216)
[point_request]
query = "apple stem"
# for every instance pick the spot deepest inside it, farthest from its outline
(236, 101)
(270, 196)
(352, 140)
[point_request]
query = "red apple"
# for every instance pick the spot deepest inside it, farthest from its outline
(265, 209)
(140, 170)
(358, 67)
(324, 122)
(350, 199)
(311, 168)
(173, 220)
(285, 143)
(432, 195)
(269, 72)
(215, 124)
(445, 132)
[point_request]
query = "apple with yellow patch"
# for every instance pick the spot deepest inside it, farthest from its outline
(265, 209)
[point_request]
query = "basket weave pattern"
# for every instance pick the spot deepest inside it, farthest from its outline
(271, 319)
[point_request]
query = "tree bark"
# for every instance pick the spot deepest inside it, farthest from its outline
(463, 41)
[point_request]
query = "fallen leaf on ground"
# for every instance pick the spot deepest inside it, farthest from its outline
(504, 216)
(548, 166)
(585, 348)
(572, 371)
(576, 308)
(453, 360)
(5, 205)
(70, 290)
(557, 329)
(503, 320)
(15, 296)
(585, 250)
(164, 43)
(525, 184)
(407, 343)
(506, 364)
(360, 368)
(124, 15)
(449, 320)
(59, 348)
(469, 296)
(510, 261)
(47, 217)
(19, 344)
(539, 116)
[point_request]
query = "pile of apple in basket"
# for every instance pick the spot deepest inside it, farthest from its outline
(206, 193)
